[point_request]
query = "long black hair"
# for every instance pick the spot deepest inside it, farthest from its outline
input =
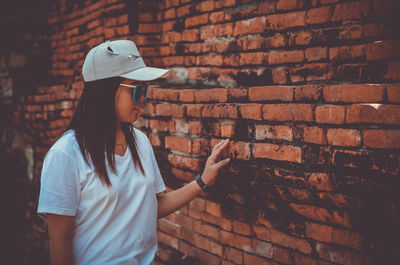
(94, 123)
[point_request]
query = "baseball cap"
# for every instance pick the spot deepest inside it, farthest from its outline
(118, 58)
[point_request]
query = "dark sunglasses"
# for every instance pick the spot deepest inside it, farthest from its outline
(138, 91)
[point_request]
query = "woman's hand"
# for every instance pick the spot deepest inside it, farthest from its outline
(212, 166)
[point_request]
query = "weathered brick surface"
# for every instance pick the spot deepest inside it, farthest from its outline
(307, 91)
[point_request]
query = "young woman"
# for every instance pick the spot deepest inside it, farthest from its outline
(101, 188)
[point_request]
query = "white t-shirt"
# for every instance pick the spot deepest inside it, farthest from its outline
(116, 225)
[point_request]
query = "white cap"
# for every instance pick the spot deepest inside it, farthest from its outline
(118, 58)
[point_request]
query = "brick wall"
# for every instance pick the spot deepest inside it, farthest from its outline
(308, 92)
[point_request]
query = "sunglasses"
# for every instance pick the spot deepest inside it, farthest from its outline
(138, 91)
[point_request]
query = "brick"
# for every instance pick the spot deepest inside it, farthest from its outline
(251, 111)
(319, 15)
(321, 181)
(255, 260)
(184, 162)
(287, 112)
(344, 137)
(348, 238)
(211, 95)
(183, 175)
(242, 228)
(250, 26)
(183, 11)
(338, 254)
(205, 6)
(331, 114)
(285, 240)
(319, 232)
(286, 4)
(307, 93)
(209, 231)
(276, 132)
(186, 95)
(281, 255)
(347, 53)
(253, 58)
(155, 139)
(393, 92)
(163, 110)
(163, 94)
(262, 248)
(194, 110)
(277, 152)
(196, 20)
(190, 35)
(316, 54)
(285, 57)
(206, 244)
(239, 150)
(251, 43)
(198, 204)
(234, 240)
(220, 111)
(379, 138)
(168, 240)
(227, 130)
(303, 38)
(354, 93)
(276, 41)
(385, 49)
(279, 75)
(213, 208)
(233, 255)
(373, 113)
(213, 31)
(271, 93)
(280, 22)
(161, 125)
(262, 232)
(169, 227)
(321, 214)
(214, 60)
(350, 11)
(195, 127)
(170, 13)
(178, 144)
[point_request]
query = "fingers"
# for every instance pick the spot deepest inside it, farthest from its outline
(219, 144)
(218, 148)
(222, 163)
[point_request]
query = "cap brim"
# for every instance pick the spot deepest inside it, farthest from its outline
(145, 74)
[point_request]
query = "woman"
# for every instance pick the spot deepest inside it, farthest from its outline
(101, 199)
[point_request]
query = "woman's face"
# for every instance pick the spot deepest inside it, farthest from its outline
(125, 108)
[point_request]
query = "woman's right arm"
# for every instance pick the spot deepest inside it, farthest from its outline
(61, 234)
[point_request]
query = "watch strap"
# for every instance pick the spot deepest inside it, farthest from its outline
(200, 182)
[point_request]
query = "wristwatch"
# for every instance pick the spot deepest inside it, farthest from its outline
(200, 182)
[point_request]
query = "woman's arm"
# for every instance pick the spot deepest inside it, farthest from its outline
(169, 202)
(61, 233)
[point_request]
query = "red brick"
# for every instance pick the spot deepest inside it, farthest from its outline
(285, 240)
(385, 49)
(287, 112)
(338, 254)
(206, 244)
(251, 43)
(214, 60)
(254, 260)
(262, 232)
(184, 162)
(271, 93)
(201, 147)
(196, 20)
(213, 208)
(316, 54)
(279, 75)
(194, 110)
(250, 26)
(276, 132)
(198, 204)
(344, 137)
(381, 138)
(372, 30)
(233, 255)
(178, 144)
(213, 31)
(252, 58)
(163, 110)
(282, 255)
(242, 228)
(217, 17)
(195, 127)
(286, 4)
(346, 53)
(277, 152)
(223, 223)
(168, 240)
(155, 139)
(321, 181)
(211, 95)
(354, 93)
(350, 11)
(186, 95)
(161, 125)
(204, 256)
(303, 38)
(205, 6)
(319, 15)
(262, 248)
(234, 240)
(319, 232)
(331, 114)
(307, 93)
(184, 221)
(251, 111)
(276, 41)
(182, 11)
(170, 13)
(209, 231)
(163, 94)
(227, 130)
(183, 175)
(288, 20)
(143, 28)
(313, 212)
(393, 92)
(239, 150)
(285, 57)
(373, 113)
(169, 227)
(348, 238)
(190, 35)
(220, 111)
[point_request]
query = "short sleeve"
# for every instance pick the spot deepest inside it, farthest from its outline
(159, 184)
(59, 186)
